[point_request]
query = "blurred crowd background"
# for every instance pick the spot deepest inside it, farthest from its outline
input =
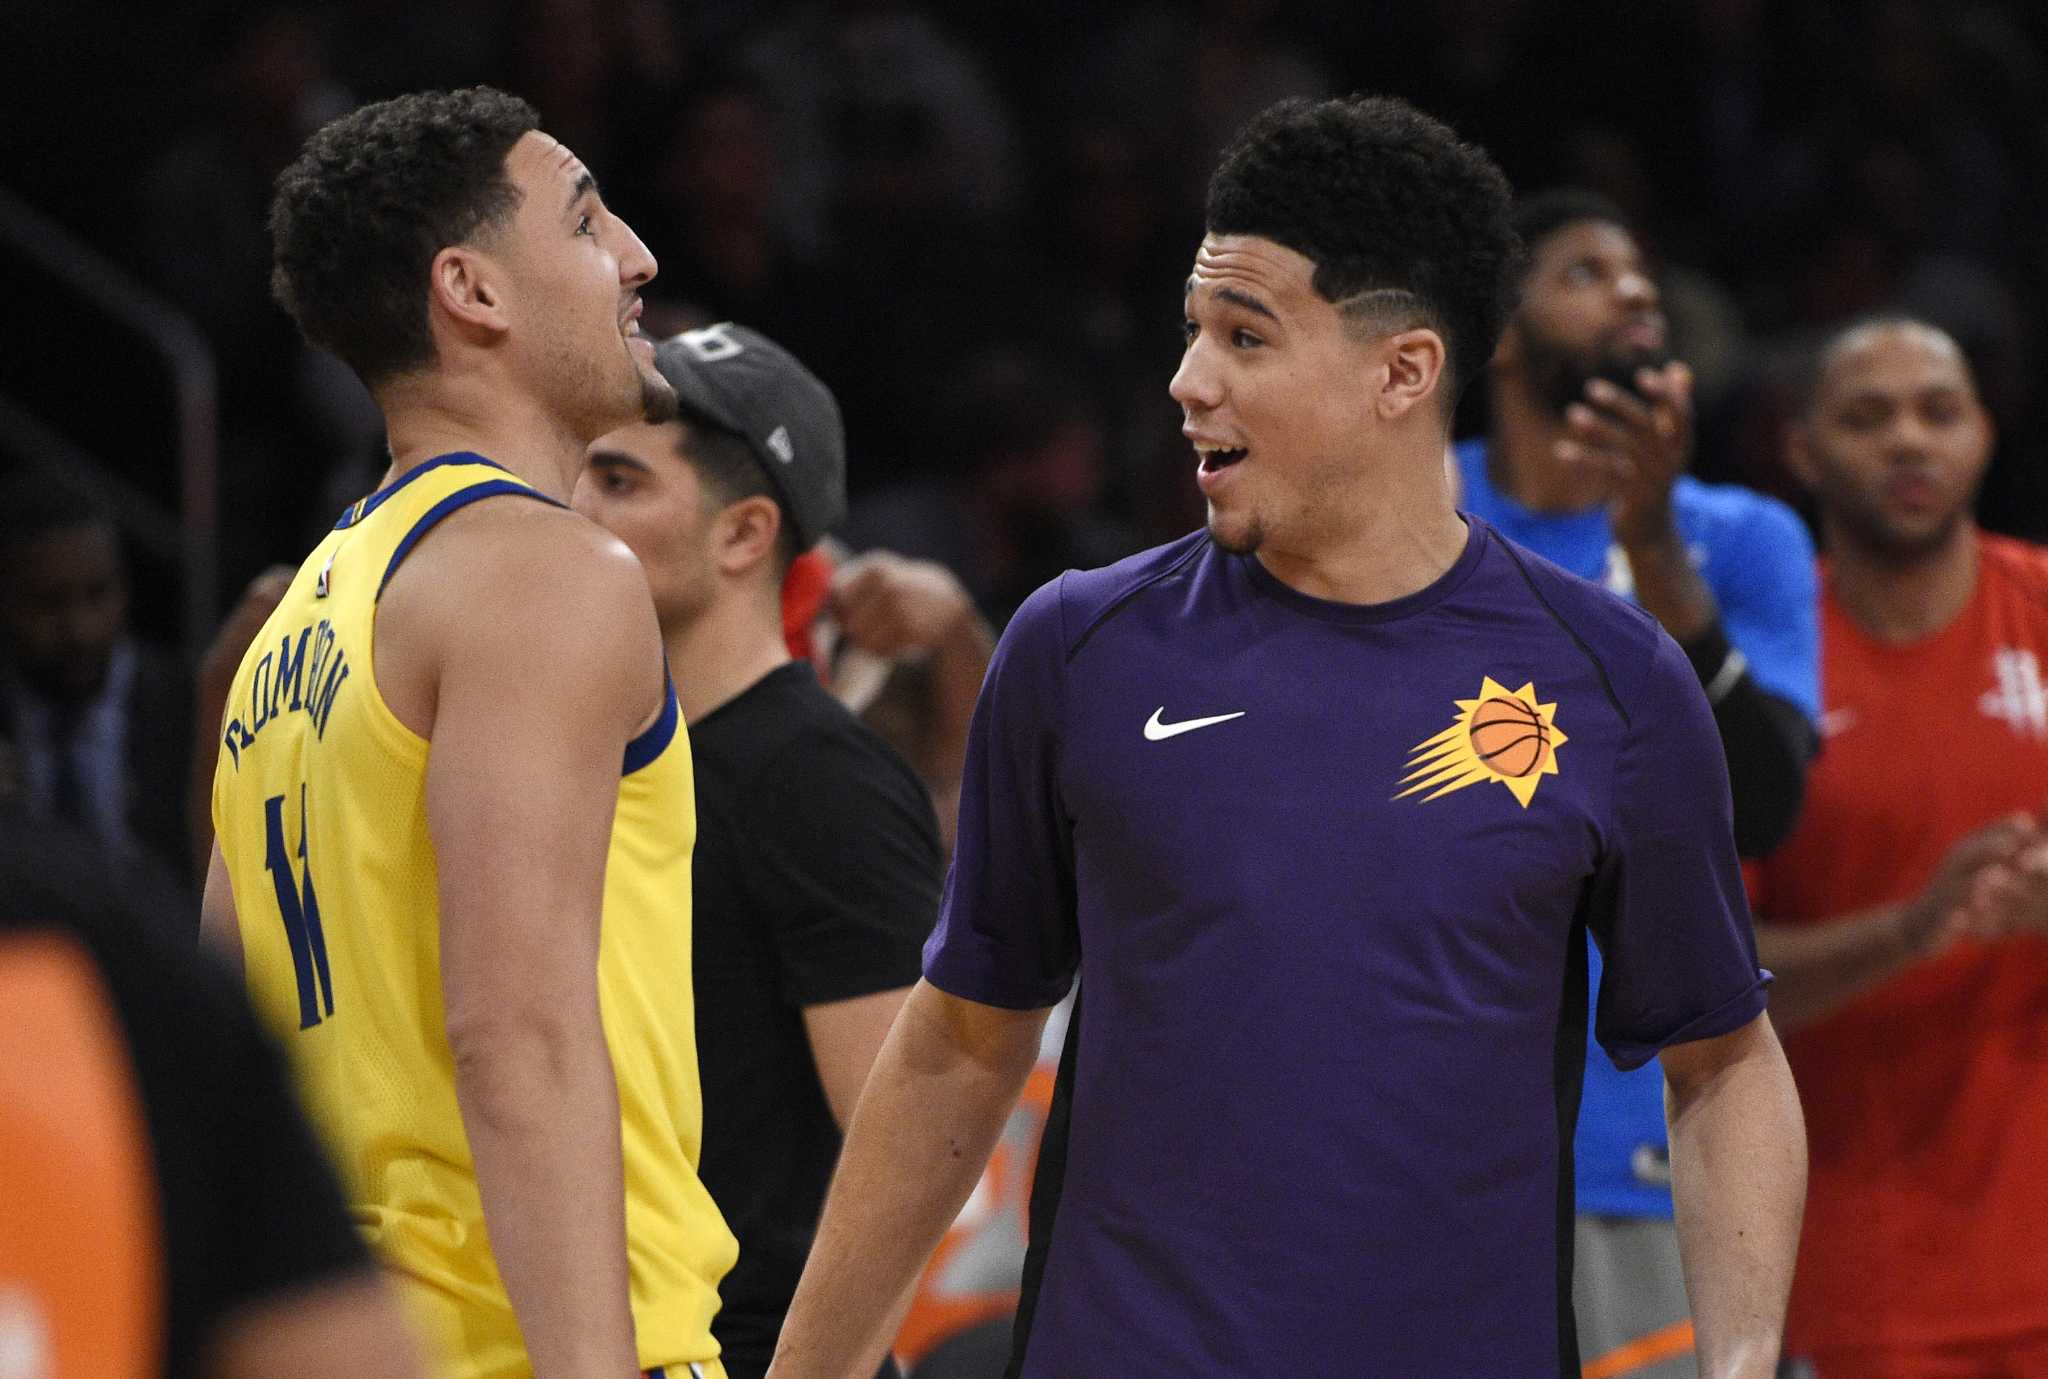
(972, 221)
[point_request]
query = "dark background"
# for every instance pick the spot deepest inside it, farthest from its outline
(973, 220)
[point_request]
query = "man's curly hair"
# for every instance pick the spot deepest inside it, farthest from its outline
(1407, 224)
(359, 215)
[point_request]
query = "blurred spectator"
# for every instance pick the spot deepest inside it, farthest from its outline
(1114, 253)
(885, 116)
(1592, 433)
(168, 1212)
(916, 621)
(1189, 76)
(92, 735)
(1024, 501)
(1907, 918)
(817, 865)
(598, 71)
(288, 412)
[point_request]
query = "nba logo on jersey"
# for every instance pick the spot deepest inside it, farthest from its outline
(320, 583)
(2017, 697)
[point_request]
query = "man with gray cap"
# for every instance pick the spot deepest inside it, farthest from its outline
(817, 867)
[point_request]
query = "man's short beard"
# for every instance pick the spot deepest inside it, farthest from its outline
(1869, 530)
(1559, 375)
(658, 401)
(1248, 543)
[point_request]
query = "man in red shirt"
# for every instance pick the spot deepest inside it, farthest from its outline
(1907, 918)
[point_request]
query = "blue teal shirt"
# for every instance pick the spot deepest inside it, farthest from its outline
(1757, 559)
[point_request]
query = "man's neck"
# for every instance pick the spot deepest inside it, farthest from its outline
(1521, 457)
(1399, 541)
(1897, 600)
(723, 652)
(508, 428)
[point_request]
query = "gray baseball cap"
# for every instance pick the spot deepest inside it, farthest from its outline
(752, 386)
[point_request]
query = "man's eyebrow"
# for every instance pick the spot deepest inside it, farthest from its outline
(616, 459)
(1231, 295)
(1247, 301)
(585, 183)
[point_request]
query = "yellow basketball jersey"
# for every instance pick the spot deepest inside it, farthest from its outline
(319, 804)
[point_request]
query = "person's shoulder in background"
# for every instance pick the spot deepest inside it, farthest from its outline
(258, 1262)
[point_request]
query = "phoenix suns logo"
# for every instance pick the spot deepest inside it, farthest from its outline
(1501, 734)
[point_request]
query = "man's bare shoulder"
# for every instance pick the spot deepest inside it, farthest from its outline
(513, 561)
(501, 585)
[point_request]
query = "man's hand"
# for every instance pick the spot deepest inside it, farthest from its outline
(1982, 888)
(1642, 440)
(2008, 894)
(889, 605)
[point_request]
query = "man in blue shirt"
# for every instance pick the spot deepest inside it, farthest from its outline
(1592, 430)
(1320, 803)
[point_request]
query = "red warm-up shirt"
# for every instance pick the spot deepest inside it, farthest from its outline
(1927, 1098)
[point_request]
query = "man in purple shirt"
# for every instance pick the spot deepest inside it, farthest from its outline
(1318, 803)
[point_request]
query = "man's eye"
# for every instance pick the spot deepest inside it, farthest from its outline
(1189, 330)
(1244, 339)
(583, 225)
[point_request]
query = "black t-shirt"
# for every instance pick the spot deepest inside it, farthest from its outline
(817, 878)
(249, 1207)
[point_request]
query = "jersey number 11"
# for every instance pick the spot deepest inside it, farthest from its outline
(301, 911)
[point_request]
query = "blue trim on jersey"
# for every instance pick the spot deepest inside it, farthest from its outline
(357, 511)
(662, 731)
(462, 497)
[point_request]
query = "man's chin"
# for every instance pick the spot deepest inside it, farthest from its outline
(1237, 534)
(658, 401)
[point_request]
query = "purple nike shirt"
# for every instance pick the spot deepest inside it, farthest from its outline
(1315, 1112)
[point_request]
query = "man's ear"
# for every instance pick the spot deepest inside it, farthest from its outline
(746, 535)
(1508, 353)
(1411, 371)
(466, 290)
(1799, 453)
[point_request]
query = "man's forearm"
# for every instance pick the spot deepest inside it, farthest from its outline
(542, 1113)
(1667, 585)
(926, 1125)
(1821, 967)
(1738, 1187)
(958, 663)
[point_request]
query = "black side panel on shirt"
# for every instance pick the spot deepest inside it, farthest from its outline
(816, 879)
(1599, 667)
(1568, 1074)
(1045, 1190)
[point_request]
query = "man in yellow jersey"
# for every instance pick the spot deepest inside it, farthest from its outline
(453, 808)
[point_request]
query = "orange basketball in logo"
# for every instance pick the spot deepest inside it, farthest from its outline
(1509, 736)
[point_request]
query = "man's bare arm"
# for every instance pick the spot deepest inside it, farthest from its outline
(1822, 966)
(341, 1328)
(535, 700)
(944, 1084)
(1738, 1184)
(219, 929)
(846, 1037)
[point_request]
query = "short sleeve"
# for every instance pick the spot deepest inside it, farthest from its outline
(1006, 934)
(1667, 905)
(1768, 590)
(846, 847)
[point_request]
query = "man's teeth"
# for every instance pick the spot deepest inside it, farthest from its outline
(1217, 456)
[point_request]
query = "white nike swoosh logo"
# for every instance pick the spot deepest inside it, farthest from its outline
(1155, 731)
